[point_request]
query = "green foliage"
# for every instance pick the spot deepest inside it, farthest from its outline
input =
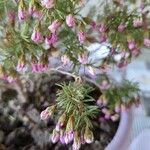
(74, 99)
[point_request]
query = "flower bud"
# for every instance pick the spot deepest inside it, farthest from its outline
(61, 121)
(47, 3)
(81, 36)
(21, 10)
(32, 7)
(21, 63)
(76, 143)
(36, 35)
(121, 27)
(70, 21)
(54, 26)
(55, 136)
(88, 135)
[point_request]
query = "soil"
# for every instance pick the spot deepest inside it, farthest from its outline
(20, 124)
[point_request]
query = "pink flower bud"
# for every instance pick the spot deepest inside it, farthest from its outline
(131, 44)
(51, 39)
(122, 63)
(11, 79)
(55, 136)
(137, 23)
(70, 21)
(93, 25)
(37, 14)
(36, 36)
(54, 26)
(102, 28)
(21, 13)
(20, 67)
(34, 67)
(48, 3)
(147, 42)
(81, 36)
(44, 115)
(121, 27)
(135, 52)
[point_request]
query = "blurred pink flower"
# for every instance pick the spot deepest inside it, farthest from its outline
(147, 42)
(70, 21)
(54, 26)
(81, 36)
(121, 27)
(47, 3)
(36, 36)
(137, 23)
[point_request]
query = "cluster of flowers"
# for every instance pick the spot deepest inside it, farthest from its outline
(120, 106)
(65, 132)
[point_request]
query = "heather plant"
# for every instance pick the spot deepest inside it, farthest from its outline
(33, 31)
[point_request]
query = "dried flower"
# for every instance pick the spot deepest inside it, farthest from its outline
(70, 21)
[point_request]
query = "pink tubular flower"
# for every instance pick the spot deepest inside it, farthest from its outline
(31, 8)
(44, 114)
(102, 28)
(36, 36)
(81, 36)
(21, 13)
(20, 67)
(147, 42)
(70, 21)
(47, 3)
(137, 23)
(131, 44)
(121, 27)
(34, 67)
(52, 39)
(42, 67)
(82, 58)
(54, 26)
(55, 136)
